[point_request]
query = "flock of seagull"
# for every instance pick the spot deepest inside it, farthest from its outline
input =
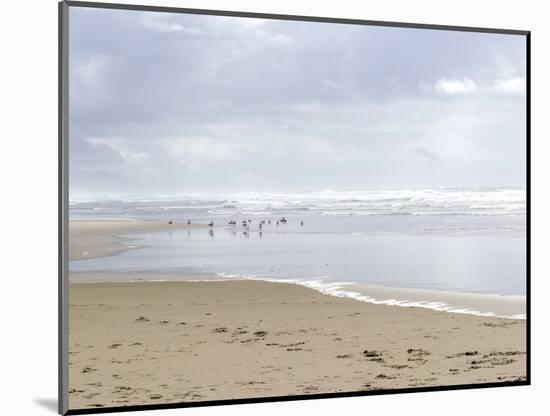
(247, 223)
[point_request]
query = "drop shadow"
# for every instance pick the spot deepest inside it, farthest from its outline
(48, 403)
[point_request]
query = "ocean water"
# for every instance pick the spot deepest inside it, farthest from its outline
(448, 240)
(428, 202)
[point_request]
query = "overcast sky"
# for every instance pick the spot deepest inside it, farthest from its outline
(169, 103)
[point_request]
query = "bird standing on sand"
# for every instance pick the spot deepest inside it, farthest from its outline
(301, 223)
(170, 222)
(188, 222)
(211, 224)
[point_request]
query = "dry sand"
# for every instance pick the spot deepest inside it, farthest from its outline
(164, 342)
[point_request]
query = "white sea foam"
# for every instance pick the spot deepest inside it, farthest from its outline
(338, 289)
(440, 201)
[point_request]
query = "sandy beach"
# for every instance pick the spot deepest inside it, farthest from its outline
(143, 343)
(88, 239)
(167, 342)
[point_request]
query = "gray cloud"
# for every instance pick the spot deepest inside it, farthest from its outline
(172, 103)
(427, 154)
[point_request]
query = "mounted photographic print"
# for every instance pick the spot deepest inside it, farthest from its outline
(265, 208)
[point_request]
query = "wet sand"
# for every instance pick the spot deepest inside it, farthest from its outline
(163, 342)
(88, 239)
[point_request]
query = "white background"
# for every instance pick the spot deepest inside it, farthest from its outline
(28, 231)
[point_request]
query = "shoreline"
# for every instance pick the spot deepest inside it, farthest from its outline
(101, 238)
(503, 307)
(135, 343)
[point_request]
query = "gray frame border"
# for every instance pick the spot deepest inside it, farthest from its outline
(63, 231)
(63, 196)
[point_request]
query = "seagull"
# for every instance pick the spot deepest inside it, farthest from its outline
(170, 222)
(188, 222)
(211, 224)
